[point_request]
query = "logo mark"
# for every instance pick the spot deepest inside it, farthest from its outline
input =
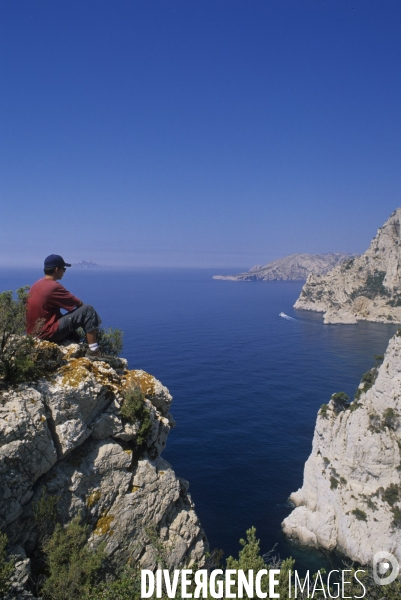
(385, 568)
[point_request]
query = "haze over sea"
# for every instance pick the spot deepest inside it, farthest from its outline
(247, 384)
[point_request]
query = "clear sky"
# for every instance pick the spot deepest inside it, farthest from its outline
(221, 133)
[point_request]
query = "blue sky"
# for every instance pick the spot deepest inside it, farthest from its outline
(211, 133)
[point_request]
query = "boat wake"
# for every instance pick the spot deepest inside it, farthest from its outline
(286, 317)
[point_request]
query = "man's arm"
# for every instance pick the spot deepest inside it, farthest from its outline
(62, 298)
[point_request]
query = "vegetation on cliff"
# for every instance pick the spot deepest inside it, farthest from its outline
(133, 410)
(19, 358)
(74, 571)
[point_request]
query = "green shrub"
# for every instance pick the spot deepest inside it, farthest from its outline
(368, 378)
(354, 405)
(396, 516)
(340, 397)
(375, 423)
(134, 410)
(249, 558)
(340, 401)
(17, 350)
(359, 514)
(367, 382)
(45, 513)
(333, 483)
(6, 567)
(110, 341)
(72, 567)
(390, 418)
(374, 591)
(323, 410)
(126, 587)
(372, 287)
(391, 494)
(369, 502)
(394, 301)
(347, 264)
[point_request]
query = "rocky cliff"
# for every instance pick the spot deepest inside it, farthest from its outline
(64, 437)
(365, 288)
(293, 267)
(351, 495)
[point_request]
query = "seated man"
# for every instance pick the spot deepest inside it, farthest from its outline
(47, 297)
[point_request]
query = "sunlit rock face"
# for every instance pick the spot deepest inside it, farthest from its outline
(351, 495)
(364, 288)
(64, 436)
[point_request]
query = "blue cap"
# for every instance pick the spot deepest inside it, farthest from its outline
(55, 260)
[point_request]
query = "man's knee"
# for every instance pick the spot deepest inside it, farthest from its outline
(90, 317)
(88, 309)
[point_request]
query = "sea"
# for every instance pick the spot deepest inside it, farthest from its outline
(247, 385)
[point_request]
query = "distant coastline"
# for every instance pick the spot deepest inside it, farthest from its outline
(87, 264)
(295, 267)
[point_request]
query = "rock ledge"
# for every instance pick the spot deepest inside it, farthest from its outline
(64, 436)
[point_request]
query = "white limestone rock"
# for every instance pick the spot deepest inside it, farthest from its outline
(364, 288)
(125, 500)
(76, 395)
(356, 457)
(26, 449)
(339, 316)
(65, 434)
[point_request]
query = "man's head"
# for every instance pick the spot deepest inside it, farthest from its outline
(55, 266)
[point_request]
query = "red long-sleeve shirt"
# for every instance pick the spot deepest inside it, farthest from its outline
(45, 299)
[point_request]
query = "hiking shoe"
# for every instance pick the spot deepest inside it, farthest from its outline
(96, 355)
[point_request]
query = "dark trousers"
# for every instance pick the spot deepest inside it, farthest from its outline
(85, 316)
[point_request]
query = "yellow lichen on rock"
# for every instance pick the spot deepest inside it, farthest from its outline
(47, 346)
(93, 498)
(135, 488)
(141, 379)
(106, 375)
(103, 524)
(78, 370)
(75, 371)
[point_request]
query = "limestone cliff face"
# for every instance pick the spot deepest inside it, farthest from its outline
(365, 288)
(292, 268)
(351, 495)
(65, 435)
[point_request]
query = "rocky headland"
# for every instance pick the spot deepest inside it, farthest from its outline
(291, 268)
(64, 437)
(351, 494)
(364, 288)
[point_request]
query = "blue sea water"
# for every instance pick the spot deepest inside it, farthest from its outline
(247, 384)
